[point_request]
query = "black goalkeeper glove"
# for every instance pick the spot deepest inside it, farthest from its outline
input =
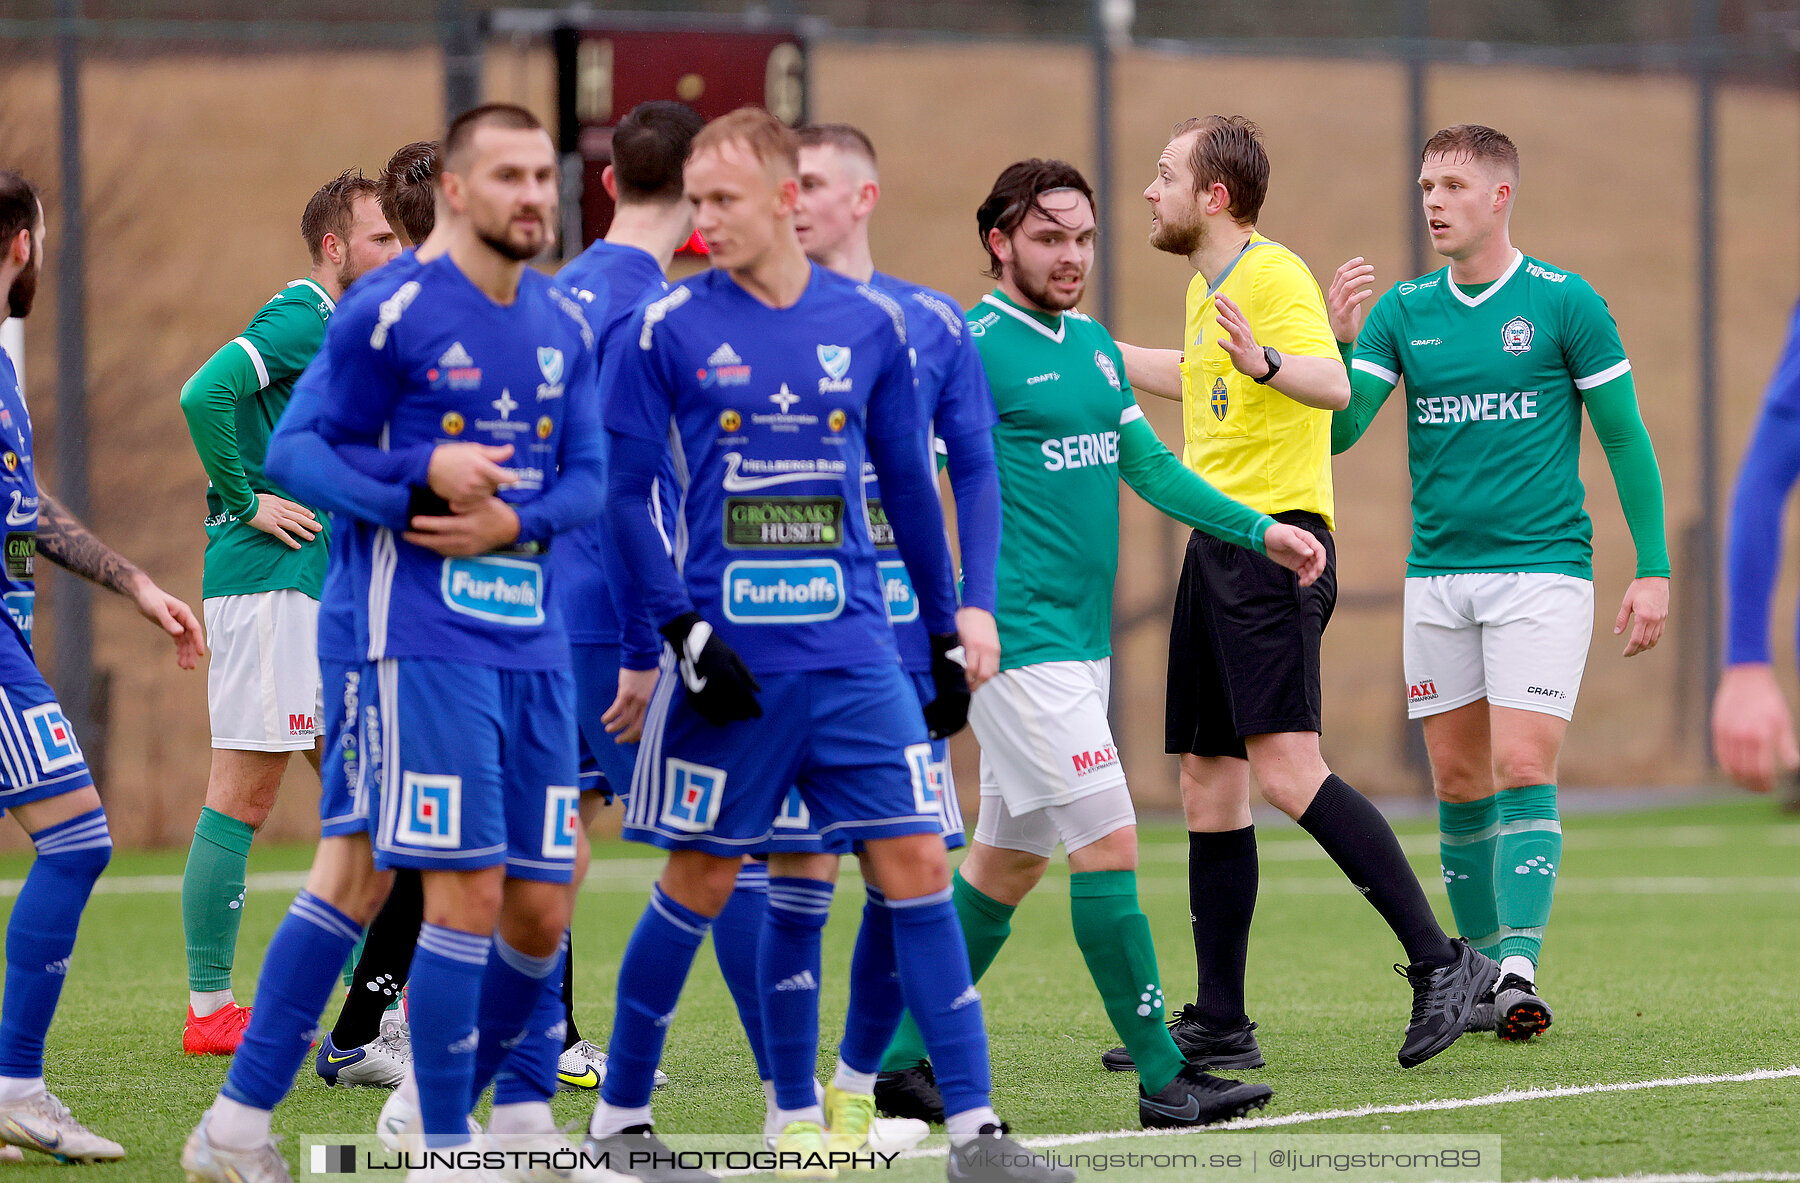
(946, 714)
(719, 684)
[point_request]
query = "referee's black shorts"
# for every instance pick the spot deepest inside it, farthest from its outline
(1244, 644)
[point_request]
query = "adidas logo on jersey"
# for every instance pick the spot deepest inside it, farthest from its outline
(803, 980)
(724, 355)
(456, 355)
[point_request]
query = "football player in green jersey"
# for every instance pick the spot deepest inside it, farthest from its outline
(1069, 431)
(265, 564)
(1501, 353)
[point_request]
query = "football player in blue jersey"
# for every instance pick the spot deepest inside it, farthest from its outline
(839, 187)
(469, 717)
(781, 377)
(1753, 730)
(44, 779)
(614, 651)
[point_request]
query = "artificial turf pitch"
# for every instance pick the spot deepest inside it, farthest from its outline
(1672, 954)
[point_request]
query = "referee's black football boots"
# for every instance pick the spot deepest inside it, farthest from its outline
(1232, 1049)
(1196, 1098)
(1443, 999)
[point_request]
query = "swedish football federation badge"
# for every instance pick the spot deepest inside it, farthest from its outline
(1221, 399)
(1516, 334)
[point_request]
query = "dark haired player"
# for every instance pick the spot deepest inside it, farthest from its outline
(614, 651)
(44, 779)
(1069, 431)
(477, 736)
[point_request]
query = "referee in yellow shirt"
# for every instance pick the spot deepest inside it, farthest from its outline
(1258, 378)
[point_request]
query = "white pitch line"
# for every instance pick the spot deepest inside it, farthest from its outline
(1507, 1097)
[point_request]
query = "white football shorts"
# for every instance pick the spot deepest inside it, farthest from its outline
(1044, 735)
(1519, 639)
(262, 688)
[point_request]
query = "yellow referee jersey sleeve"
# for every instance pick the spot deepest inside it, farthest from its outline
(1253, 442)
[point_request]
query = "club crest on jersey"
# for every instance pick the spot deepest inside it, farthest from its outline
(1221, 399)
(836, 362)
(1107, 368)
(550, 362)
(1516, 335)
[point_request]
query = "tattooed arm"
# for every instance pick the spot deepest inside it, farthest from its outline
(72, 546)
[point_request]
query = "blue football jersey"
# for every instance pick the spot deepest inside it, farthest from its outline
(19, 494)
(305, 410)
(772, 408)
(428, 358)
(955, 400)
(611, 281)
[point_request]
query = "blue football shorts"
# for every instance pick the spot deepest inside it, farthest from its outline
(851, 742)
(794, 833)
(472, 767)
(39, 756)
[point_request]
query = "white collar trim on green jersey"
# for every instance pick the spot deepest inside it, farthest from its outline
(1475, 301)
(1062, 322)
(330, 304)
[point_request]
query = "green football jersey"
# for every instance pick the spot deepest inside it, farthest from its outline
(1495, 377)
(231, 413)
(1061, 395)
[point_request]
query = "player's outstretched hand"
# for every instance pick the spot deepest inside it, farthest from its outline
(719, 684)
(1239, 342)
(284, 519)
(948, 712)
(465, 473)
(488, 524)
(172, 617)
(1647, 599)
(1753, 732)
(1347, 300)
(624, 719)
(980, 638)
(1297, 550)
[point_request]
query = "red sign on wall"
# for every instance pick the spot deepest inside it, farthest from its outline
(603, 73)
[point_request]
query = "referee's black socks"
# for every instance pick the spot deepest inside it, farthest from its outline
(1222, 879)
(1363, 845)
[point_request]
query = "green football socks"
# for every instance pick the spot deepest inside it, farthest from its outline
(212, 898)
(1114, 936)
(1525, 865)
(1468, 836)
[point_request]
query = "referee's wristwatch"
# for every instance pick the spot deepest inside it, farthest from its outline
(1274, 359)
